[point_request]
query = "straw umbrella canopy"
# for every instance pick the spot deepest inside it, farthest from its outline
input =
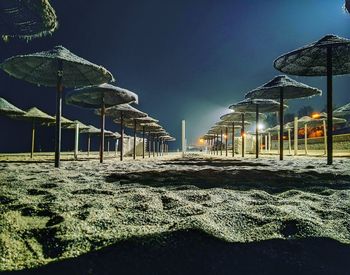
(280, 88)
(26, 19)
(56, 68)
(121, 112)
(101, 96)
(34, 115)
(343, 110)
(327, 57)
(6, 108)
(256, 105)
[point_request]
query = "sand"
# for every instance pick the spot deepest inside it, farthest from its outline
(52, 214)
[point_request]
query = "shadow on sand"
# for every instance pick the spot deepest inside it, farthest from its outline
(237, 179)
(194, 252)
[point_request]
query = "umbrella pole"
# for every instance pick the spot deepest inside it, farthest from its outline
(221, 143)
(33, 139)
(121, 136)
(143, 142)
(242, 134)
(116, 147)
(257, 131)
(329, 106)
(289, 143)
(325, 136)
(281, 122)
(153, 145)
(233, 139)
(76, 145)
(265, 143)
(217, 144)
(134, 149)
(102, 138)
(88, 145)
(305, 138)
(296, 136)
(226, 141)
(149, 144)
(58, 113)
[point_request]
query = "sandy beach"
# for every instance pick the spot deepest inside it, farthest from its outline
(241, 206)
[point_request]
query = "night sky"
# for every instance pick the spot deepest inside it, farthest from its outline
(185, 59)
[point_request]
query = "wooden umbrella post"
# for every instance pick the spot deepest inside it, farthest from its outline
(296, 136)
(33, 139)
(121, 136)
(76, 142)
(281, 122)
(88, 145)
(154, 145)
(242, 134)
(226, 141)
(58, 113)
(221, 143)
(289, 142)
(217, 143)
(149, 144)
(325, 136)
(143, 142)
(102, 138)
(134, 147)
(305, 139)
(233, 139)
(329, 106)
(257, 131)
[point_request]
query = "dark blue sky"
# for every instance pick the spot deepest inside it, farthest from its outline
(185, 59)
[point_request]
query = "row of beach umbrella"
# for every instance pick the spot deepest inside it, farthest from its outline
(327, 57)
(40, 118)
(61, 69)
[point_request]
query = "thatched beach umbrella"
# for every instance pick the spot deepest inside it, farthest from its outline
(121, 112)
(100, 97)
(56, 68)
(7, 109)
(26, 18)
(92, 130)
(342, 111)
(280, 88)
(35, 116)
(257, 105)
(327, 57)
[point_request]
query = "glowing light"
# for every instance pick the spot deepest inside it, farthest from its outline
(315, 115)
(261, 126)
(225, 137)
(201, 140)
